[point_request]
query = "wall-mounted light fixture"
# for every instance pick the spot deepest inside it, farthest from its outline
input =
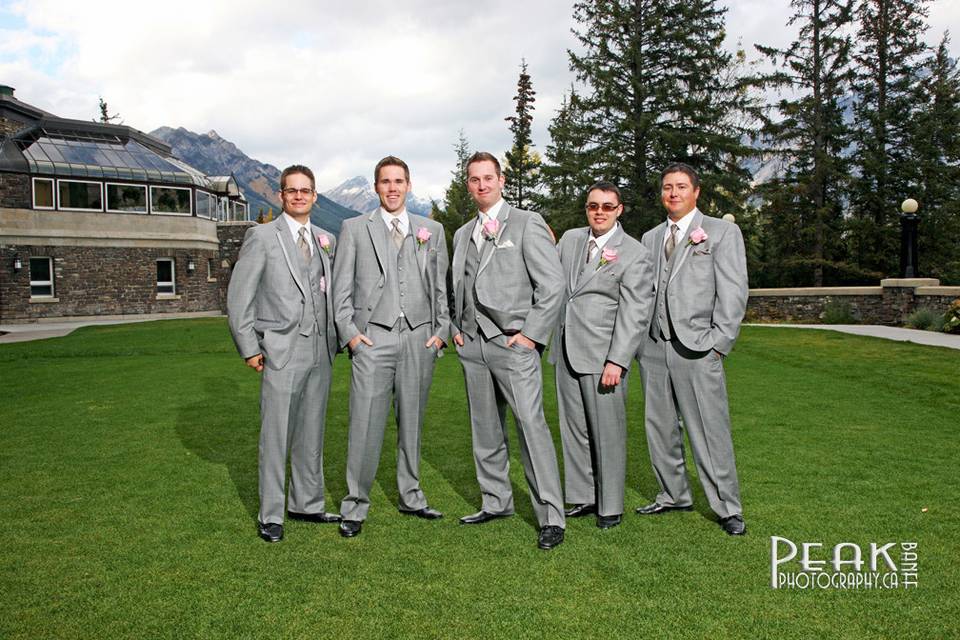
(17, 265)
(191, 265)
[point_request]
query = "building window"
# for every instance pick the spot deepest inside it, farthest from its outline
(126, 198)
(239, 211)
(211, 269)
(80, 195)
(41, 277)
(43, 193)
(174, 200)
(206, 205)
(165, 280)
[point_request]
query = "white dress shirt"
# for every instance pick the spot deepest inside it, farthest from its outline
(388, 219)
(295, 230)
(601, 241)
(682, 225)
(484, 217)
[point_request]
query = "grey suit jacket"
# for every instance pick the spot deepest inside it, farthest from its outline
(707, 291)
(359, 274)
(603, 317)
(519, 282)
(266, 293)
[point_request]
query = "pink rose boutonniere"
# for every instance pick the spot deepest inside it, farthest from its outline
(607, 256)
(324, 242)
(490, 228)
(423, 235)
(697, 236)
(323, 284)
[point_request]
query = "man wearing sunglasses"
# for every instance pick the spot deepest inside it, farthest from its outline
(608, 275)
(281, 318)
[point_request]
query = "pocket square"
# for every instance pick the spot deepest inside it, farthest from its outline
(701, 252)
(506, 244)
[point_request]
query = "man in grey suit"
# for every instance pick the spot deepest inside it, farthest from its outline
(607, 306)
(281, 319)
(392, 313)
(700, 293)
(508, 286)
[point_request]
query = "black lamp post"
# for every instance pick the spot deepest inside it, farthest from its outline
(908, 239)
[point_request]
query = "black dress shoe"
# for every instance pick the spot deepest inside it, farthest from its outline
(734, 525)
(550, 536)
(580, 510)
(656, 509)
(426, 513)
(482, 516)
(608, 522)
(350, 528)
(271, 532)
(322, 517)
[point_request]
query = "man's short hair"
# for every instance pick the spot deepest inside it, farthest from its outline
(391, 161)
(297, 168)
(483, 156)
(684, 168)
(609, 187)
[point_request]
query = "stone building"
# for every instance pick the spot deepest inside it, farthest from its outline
(101, 219)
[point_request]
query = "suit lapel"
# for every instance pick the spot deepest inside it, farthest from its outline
(658, 250)
(419, 250)
(459, 262)
(487, 252)
(579, 257)
(685, 244)
(377, 238)
(613, 243)
(288, 248)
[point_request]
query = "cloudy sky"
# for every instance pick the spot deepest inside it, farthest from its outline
(330, 84)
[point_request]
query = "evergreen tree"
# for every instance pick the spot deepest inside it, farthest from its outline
(105, 116)
(935, 154)
(459, 205)
(657, 76)
(521, 167)
(889, 57)
(803, 205)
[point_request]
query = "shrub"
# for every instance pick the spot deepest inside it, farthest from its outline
(925, 318)
(838, 312)
(951, 319)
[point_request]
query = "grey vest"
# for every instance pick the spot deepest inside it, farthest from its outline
(473, 315)
(662, 325)
(404, 289)
(315, 302)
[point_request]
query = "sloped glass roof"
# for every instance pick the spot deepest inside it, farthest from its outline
(103, 155)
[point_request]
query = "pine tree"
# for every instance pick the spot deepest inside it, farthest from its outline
(522, 164)
(656, 74)
(459, 205)
(888, 59)
(935, 153)
(803, 205)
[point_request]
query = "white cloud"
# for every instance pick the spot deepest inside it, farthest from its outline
(336, 86)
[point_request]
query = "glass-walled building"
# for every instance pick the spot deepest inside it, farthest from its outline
(101, 219)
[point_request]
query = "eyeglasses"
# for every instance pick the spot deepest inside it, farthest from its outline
(290, 191)
(606, 207)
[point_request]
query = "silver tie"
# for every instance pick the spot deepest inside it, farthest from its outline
(590, 249)
(671, 241)
(396, 234)
(303, 245)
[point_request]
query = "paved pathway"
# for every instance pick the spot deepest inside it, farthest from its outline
(40, 330)
(931, 338)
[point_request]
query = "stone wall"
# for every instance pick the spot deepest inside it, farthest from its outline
(15, 191)
(888, 304)
(230, 236)
(8, 126)
(93, 281)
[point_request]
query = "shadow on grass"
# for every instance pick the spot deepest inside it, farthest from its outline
(223, 428)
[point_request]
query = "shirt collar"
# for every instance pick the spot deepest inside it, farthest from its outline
(296, 226)
(493, 212)
(403, 217)
(602, 240)
(682, 224)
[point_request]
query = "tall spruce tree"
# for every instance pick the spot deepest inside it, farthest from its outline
(935, 154)
(568, 169)
(522, 163)
(656, 93)
(888, 59)
(458, 204)
(805, 133)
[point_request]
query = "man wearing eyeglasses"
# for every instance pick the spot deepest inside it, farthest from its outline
(392, 313)
(508, 287)
(281, 318)
(700, 293)
(606, 306)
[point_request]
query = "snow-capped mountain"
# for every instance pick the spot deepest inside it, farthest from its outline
(358, 194)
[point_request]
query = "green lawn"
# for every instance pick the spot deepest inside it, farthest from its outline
(128, 459)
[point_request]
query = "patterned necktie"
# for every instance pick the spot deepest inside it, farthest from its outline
(478, 230)
(303, 245)
(671, 241)
(590, 249)
(396, 234)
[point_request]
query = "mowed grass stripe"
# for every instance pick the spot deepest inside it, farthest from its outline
(129, 487)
